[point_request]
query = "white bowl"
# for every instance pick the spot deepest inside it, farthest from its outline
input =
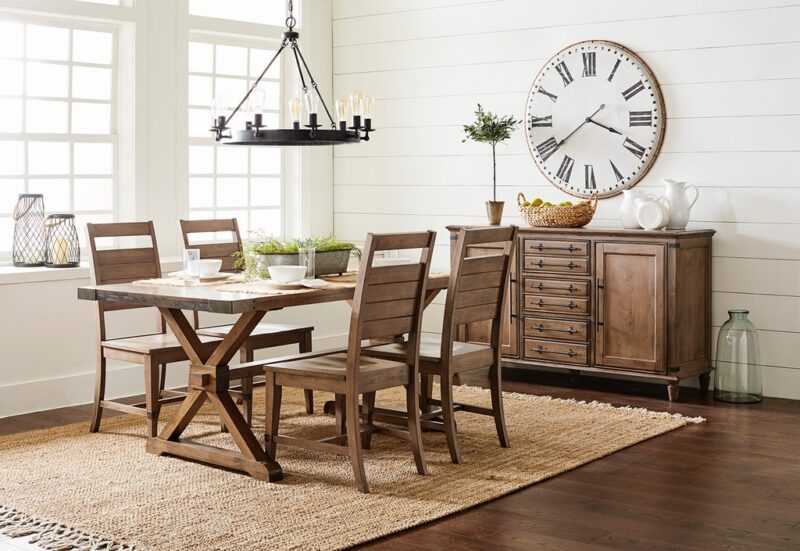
(205, 267)
(287, 274)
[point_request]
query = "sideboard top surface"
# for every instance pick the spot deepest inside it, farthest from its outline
(608, 231)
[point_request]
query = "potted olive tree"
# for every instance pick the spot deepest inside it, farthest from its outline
(491, 129)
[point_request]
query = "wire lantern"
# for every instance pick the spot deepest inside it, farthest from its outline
(30, 239)
(63, 248)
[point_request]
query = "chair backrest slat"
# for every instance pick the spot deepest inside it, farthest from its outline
(389, 300)
(225, 250)
(478, 285)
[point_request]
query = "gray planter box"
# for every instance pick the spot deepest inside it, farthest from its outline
(327, 262)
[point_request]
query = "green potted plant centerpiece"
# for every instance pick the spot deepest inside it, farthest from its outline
(491, 129)
(331, 256)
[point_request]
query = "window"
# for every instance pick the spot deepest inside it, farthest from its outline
(57, 132)
(253, 11)
(228, 181)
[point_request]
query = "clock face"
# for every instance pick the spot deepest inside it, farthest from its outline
(595, 119)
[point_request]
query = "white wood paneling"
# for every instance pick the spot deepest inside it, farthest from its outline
(732, 90)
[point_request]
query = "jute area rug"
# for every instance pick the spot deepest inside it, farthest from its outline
(66, 488)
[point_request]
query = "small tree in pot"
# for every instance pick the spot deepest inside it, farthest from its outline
(491, 129)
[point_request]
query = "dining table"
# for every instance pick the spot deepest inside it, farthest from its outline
(209, 370)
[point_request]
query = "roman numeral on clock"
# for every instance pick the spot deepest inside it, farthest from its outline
(633, 90)
(548, 94)
(563, 70)
(640, 118)
(588, 177)
(565, 170)
(614, 70)
(617, 173)
(541, 121)
(589, 64)
(546, 148)
(633, 147)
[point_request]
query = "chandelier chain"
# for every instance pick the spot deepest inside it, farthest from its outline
(291, 21)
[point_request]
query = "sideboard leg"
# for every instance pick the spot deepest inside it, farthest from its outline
(672, 391)
(705, 381)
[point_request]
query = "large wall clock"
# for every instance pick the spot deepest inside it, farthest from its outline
(595, 119)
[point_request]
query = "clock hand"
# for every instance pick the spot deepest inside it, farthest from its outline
(610, 129)
(586, 120)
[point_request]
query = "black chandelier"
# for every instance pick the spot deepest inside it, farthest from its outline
(257, 133)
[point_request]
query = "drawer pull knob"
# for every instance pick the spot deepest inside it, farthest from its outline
(571, 265)
(541, 247)
(542, 350)
(572, 289)
(571, 305)
(541, 329)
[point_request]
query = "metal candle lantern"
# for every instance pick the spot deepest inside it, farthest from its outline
(30, 241)
(63, 250)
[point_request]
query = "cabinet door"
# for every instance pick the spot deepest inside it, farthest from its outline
(479, 331)
(630, 315)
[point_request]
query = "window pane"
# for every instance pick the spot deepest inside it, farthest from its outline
(6, 233)
(201, 192)
(48, 158)
(265, 160)
(265, 192)
(241, 216)
(199, 123)
(91, 118)
(92, 47)
(55, 191)
(46, 79)
(258, 61)
(231, 90)
(94, 158)
(94, 194)
(255, 11)
(201, 57)
(272, 94)
(231, 60)
(91, 83)
(9, 193)
(47, 43)
(200, 91)
(231, 192)
(80, 224)
(46, 116)
(11, 83)
(11, 39)
(201, 159)
(11, 118)
(13, 155)
(268, 221)
(232, 160)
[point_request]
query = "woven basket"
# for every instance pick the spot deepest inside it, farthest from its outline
(575, 216)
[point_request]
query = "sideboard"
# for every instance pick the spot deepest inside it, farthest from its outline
(614, 301)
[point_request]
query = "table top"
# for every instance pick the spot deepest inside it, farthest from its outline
(211, 299)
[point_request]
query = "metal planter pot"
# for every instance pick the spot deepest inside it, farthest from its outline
(326, 262)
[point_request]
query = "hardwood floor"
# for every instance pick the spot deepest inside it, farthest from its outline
(731, 483)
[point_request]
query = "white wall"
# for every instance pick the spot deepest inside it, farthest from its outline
(731, 82)
(46, 334)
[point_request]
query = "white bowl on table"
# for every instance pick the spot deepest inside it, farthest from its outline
(287, 274)
(204, 268)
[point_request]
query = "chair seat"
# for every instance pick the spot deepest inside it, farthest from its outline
(333, 368)
(148, 344)
(466, 355)
(260, 330)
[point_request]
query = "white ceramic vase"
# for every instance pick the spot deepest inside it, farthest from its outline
(680, 206)
(652, 213)
(627, 210)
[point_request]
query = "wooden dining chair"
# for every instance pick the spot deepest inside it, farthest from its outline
(388, 301)
(153, 351)
(265, 335)
(476, 292)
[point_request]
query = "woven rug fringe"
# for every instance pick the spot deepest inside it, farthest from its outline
(53, 536)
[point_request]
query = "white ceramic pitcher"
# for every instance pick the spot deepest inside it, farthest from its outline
(680, 206)
(627, 210)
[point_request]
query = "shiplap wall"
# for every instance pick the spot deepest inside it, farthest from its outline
(731, 82)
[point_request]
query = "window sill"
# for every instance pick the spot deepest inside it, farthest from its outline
(11, 275)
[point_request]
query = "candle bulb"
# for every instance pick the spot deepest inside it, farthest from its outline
(357, 108)
(312, 106)
(295, 110)
(369, 104)
(341, 113)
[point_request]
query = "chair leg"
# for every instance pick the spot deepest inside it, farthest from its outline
(414, 430)
(273, 414)
(426, 389)
(340, 413)
(99, 392)
(368, 412)
(246, 355)
(354, 442)
(162, 376)
(152, 382)
(495, 378)
(449, 418)
(305, 345)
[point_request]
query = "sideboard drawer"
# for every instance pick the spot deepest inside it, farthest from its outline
(562, 265)
(556, 287)
(558, 305)
(557, 248)
(565, 330)
(560, 352)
